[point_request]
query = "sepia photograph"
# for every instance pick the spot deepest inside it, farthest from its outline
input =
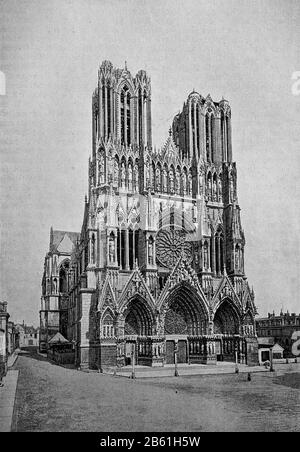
(150, 212)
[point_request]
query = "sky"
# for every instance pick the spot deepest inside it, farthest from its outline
(50, 51)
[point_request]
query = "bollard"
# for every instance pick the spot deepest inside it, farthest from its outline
(249, 376)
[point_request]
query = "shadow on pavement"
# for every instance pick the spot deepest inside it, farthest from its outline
(32, 353)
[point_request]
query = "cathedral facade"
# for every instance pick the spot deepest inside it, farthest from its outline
(159, 263)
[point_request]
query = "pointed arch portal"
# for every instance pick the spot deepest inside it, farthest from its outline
(227, 326)
(138, 318)
(186, 316)
(186, 313)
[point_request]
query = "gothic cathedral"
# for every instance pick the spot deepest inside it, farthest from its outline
(159, 262)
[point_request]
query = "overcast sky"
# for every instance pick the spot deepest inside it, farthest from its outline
(245, 51)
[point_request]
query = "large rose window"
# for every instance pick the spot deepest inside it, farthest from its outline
(170, 245)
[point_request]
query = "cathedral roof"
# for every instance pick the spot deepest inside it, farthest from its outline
(63, 241)
(170, 150)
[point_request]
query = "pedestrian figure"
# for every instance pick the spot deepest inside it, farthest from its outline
(249, 376)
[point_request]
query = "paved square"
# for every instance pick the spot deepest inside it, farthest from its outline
(53, 398)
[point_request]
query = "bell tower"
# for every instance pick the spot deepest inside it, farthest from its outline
(122, 107)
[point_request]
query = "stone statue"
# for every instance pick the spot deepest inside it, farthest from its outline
(171, 181)
(123, 175)
(129, 177)
(101, 170)
(190, 184)
(164, 181)
(116, 172)
(150, 252)
(184, 183)
(237, 259)
(220, 189)
(111, 250)
(205, 256)
(231, 190)
(209, 187)
(158, 179)
(214, 190)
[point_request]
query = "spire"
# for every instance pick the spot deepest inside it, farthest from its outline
(126, 65)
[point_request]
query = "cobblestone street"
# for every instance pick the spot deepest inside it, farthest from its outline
(53, 398)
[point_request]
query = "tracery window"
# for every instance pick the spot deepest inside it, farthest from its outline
(177, 185)
(129, 176)
(108, 326)
(125, 115)
(164, 180)
(93, 249)
(171, 179)
(184, 181)
(63, 274)
(136, 177)
(158, 178)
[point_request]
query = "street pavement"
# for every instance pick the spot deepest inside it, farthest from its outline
(7, 400)
(54, 398)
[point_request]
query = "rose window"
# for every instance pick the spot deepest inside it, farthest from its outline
(170, 245)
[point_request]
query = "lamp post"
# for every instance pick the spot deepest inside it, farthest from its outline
(236, 360)
(133, 361)
(175, 359)
(271, 360)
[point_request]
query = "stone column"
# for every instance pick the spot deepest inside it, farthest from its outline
(127, 248)
(195, 129)
(219, 255)
(100, 90)
(202, 146)
(107, 247)
(131, 112)
(120, 232)
(218, 147)
(111, 110)
(142, 119)
(125, 119)
(229, 150)
(137, 120)
(147, 251)
(213, 254)
(149, 140)
(145, 121)
(118, 115)
(209, 138)
(105, 106)
(225, 139)
(190, 130)
(133, 247)
(116, 248)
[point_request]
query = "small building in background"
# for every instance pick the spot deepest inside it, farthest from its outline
(4, 316)
(12, 340)
(280, 328)
(266, 346)
(8, 337)
(28, 336)
(54, 300)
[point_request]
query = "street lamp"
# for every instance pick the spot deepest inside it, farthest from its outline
(236, 361)
(271, 360)
(133, 361)
(175, 359)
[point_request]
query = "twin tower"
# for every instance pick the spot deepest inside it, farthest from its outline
(159, 263)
